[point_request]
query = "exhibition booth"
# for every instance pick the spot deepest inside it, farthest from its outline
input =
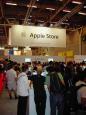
(31, 36)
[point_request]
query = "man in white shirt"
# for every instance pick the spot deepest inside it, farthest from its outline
(23, 92)
(11, 80)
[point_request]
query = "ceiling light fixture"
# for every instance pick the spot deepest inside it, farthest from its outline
(32, 6)
(82, 13)
(84, 6)
(51, 25)
(66, 10)
(50, 8)
(13, 4)
(76, 2)
(60, 0)
(65, 23)
(30, 16)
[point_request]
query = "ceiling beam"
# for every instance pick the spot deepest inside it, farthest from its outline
(70, 14)
(29, 11)
(2, 13)
(9, 25)
(58, 11)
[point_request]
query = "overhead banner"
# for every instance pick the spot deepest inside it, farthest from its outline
(37, 36)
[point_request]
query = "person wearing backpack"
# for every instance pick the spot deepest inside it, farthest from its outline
(56, 89)
(70, 93)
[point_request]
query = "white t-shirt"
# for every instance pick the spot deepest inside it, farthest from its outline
(81, 93)
(22, 85)
(11, 76)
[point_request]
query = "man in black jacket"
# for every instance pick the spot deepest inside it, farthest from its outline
(39, 91)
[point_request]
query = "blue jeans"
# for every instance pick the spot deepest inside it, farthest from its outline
(56, 103)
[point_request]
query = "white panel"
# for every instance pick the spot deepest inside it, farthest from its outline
(21, 59)
(79, 58)
(37, 36)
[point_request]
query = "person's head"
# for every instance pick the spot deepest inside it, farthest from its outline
(9, 66)
(35, 68)
(82, 76)
(50, 69)
(57, 67)
(17, 69)
(24, 68)
(39, 69)
(1, 68)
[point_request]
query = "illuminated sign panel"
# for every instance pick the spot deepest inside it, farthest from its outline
(37, 36)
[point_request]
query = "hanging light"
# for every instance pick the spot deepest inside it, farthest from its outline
(13, 4)
(76, 2)
(82, 13)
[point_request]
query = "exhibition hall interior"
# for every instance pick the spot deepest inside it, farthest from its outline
(42, 57)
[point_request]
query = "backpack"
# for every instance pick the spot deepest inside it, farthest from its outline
(71, 101)
(56, 85)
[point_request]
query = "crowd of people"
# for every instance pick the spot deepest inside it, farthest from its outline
(66, 84)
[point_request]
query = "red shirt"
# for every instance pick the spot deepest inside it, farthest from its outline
(2, 78)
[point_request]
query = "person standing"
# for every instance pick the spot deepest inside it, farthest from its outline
(39, 90)
(2, 78)
(56, 89)
(22, 92)
(11, 80)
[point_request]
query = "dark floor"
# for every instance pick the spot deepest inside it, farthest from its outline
(7, 106)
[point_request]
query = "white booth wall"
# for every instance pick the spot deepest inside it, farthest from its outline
(79, 58)
(21, 59)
